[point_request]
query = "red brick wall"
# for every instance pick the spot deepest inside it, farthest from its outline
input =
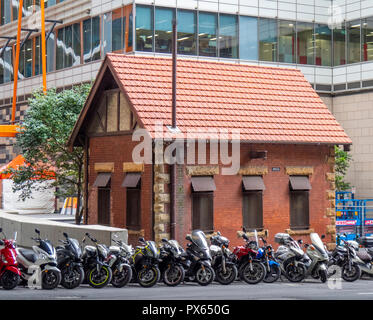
(276, 212)
(118, 149)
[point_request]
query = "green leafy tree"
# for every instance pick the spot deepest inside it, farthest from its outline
(342, 163)
(42, 141)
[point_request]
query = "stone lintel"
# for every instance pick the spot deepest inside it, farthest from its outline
(202, 170)
(104, 166)
(133, 167)
(299, 171)
(253, 170)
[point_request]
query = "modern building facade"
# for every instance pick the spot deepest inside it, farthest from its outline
(330, 41)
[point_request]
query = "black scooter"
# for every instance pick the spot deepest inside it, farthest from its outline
(70, 263)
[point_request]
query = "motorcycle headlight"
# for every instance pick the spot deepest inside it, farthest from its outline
(4, 259)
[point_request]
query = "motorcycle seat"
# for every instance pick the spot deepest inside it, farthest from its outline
(28, 254)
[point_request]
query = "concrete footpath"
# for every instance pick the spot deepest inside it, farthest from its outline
(52, 227)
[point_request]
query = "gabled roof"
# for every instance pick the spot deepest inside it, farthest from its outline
(266, 104)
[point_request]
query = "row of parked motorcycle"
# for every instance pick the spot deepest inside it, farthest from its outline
(71, 264)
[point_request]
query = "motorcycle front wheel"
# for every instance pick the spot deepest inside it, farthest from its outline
(295, 273)
(252, 273)
(72, 279)
(205, 275)
(323, 275)
(273, 274)
(50, 279)
(352, 274)
(229, 276)
(9, 280)
(121, 278)
(173, 275)
(148, 277)
(99, 278)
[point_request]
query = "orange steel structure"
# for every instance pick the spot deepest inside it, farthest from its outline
(11, 129)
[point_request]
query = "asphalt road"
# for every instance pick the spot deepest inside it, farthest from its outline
(310, 289)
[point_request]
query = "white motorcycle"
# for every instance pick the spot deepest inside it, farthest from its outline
(317, 267)
(39, 266)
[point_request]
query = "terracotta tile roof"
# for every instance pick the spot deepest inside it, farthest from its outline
(266, 104)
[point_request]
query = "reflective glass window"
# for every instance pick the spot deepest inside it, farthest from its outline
(248, 38)
(353, 41)
(68, 46)
(228, 36)
(323, 47)
(76, 48)
(50, 52)
(28, 58)
(367, 39)
(6, 11)
(107, 31)
(37, 55)
(8, 64)
(305, 43)
(186, 32)
(117, 30)
(286, 41)
(339, 45)
(96, 43)
(130, 30)
(60, 49)
(144, 28)
(163, 29)
(1, 71)
(267, 39)
(21, 64)
(87, 41)
(207, 28)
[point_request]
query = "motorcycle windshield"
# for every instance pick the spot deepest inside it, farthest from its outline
(46, 246)
(75, 246)
(316, 241)
(199, 239)
(175, 245)
(152, 247)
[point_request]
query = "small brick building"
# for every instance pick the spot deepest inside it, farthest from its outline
(285, 178)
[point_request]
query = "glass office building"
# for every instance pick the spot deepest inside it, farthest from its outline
(330, 41)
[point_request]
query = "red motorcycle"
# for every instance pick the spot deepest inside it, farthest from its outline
(9, 272)
(250, 269)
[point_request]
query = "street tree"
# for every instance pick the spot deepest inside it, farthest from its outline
(342, 163)
(42, 141)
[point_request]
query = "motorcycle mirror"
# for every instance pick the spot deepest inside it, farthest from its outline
(141, 239)
(65, 235)
(1, 229)
(87, 234)
(300, 241)
(323, 236)
(1, 242)
(244, 229)
(164, 240)
(218, 233)
(37, 231)
(188, 238)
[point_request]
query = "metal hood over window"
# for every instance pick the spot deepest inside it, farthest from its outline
(253, 183)
(131, 180)
(300, 183)
(203, 184)
(102, 179)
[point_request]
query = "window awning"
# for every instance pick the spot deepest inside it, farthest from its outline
(102, 179)
(253, 183)
(203, 184)
(300, 183)
(131, 180)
